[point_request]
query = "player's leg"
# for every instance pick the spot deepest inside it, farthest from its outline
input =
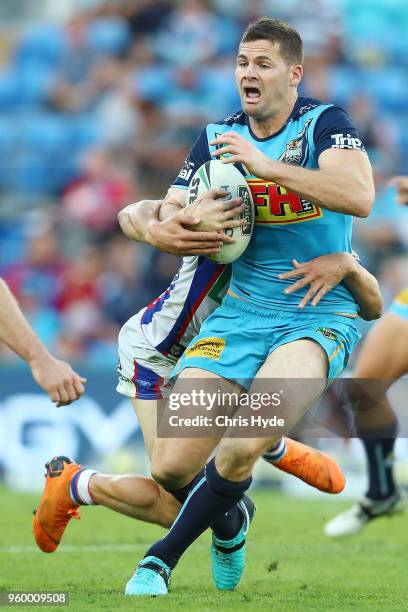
(186, 478)
(236, 457)
(228, 476)
(132, 494)
(383, 358)
(68, 485)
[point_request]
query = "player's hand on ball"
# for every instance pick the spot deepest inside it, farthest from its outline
(322, 274)
(216, 212)
(58, 379)
(176, 235)
(243, 151)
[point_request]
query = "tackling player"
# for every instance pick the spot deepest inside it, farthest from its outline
(309, 174)
(384, 356)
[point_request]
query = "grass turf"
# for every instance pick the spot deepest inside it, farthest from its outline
(291, 564)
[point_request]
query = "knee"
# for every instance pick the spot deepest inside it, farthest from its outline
(171, 475)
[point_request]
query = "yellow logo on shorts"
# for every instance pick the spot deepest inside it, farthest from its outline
(207, 347)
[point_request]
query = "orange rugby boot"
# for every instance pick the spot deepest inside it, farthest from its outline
(56, 507)
(312, 466)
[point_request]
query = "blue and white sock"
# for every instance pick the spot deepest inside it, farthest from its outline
(276, 452)
(79, 489)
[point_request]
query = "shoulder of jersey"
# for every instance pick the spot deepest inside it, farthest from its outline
(305, 105)
(215, 174)
(237, 118)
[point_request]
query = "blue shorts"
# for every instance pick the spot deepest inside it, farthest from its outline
(236, 339)
(400, 305)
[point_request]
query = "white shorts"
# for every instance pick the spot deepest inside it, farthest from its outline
(143, 371)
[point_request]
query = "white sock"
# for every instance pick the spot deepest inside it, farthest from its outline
(277, 452)
(80, 488)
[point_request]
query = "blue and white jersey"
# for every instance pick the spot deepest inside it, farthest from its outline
(287, 226)
(175, 317)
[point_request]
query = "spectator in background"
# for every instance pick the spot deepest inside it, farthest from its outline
(37, 280)
(160, 147)
(95, 198)
(146, 16)
(190, 35)
(124, 283)
(79, 303)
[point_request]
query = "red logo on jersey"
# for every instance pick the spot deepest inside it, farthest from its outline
(275, 205)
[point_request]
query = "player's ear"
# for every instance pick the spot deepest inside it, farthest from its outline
(296, 74)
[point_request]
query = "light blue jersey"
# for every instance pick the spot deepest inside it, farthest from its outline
(287, 226)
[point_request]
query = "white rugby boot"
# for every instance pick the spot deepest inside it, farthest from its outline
(353, 520)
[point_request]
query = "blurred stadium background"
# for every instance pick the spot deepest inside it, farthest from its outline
(99, 103)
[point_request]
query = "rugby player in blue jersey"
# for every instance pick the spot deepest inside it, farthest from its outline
(384, 357)
(309, 175)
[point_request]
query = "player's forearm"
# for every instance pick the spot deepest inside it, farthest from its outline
(365, 290)
(15, 331)
(136, 219)
(329, 188)
(168, 208)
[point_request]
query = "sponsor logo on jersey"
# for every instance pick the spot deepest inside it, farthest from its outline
(346, 141)
(211, 348)
(328, 333)
(275, 205)
(186, 171)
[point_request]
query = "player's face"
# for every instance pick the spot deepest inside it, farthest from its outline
(264, 78)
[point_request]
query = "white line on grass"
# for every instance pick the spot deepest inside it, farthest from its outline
(68, 548)
(87, 548)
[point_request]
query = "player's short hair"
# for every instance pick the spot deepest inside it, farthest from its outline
(278, 32)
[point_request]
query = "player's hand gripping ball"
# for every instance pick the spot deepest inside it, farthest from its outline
(215, 174)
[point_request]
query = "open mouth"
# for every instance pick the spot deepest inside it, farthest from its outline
(252, 95)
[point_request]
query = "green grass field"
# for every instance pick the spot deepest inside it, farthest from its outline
(291, 564)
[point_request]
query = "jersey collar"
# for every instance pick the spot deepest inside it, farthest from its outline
(300, 100)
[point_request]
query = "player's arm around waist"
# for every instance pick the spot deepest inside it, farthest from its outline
(323, 273)
(365, 289)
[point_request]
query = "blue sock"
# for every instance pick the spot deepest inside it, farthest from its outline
(182, 494)
(226, 526)
(380, 463)
(211, 497)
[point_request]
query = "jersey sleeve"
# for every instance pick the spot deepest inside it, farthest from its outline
(199, 154)
(335, 130)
